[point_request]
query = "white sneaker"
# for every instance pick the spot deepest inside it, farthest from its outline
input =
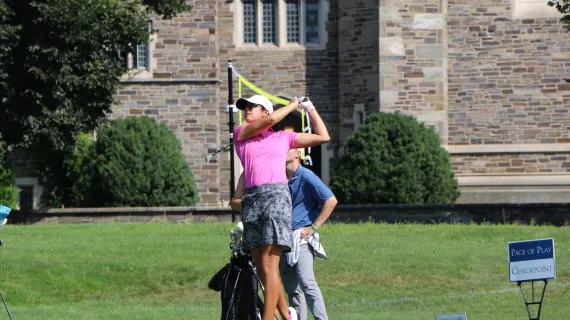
(292, 314)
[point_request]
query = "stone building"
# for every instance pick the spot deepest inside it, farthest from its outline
(488, 75)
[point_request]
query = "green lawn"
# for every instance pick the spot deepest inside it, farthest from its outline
(374, 271)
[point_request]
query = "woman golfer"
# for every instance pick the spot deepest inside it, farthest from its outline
(266, 205)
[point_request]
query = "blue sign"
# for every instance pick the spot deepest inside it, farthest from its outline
(532, 260)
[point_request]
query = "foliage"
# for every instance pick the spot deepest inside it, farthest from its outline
(140, 163)
(166, 8)
(393, 158)
(67, 177)
(60, 65)
(564, 7)
(61, 60)
(8, 193)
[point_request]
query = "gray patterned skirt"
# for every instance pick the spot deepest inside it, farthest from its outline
(266, 216)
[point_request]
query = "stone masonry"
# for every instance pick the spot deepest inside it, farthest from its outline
(358, 52)
(413, 74)
(485, 76)
(488, 75)
(188, 87)
(506, 77)
(183, 90)
(287, 71)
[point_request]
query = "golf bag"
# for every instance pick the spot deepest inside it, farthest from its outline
(238, 283)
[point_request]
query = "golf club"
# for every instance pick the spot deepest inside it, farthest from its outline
(9, 315)
(211, 155)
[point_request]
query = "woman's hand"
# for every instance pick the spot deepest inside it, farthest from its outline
(306, 105)
(307, 232)
(295, 102)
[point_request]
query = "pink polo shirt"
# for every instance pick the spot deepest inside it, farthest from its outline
(264, 156)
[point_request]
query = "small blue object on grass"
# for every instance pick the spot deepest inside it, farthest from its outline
(4, 212)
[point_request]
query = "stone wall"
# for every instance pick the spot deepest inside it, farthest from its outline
(289, 71)
(358, 54)
(506, 79)
(511, 163)
(190, 111)
(187, 45)
(485, 74)
(188, 87)
(182, 89)
(557, 214)
(506, 88)
(413, 49)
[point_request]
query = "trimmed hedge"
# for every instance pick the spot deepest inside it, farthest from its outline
(394, 159)
(138, 162)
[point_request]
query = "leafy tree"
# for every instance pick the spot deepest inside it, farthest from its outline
(395, 159)
(67, 177)
(8, 194)
(60, 64)
(139, 162)
(564, 7)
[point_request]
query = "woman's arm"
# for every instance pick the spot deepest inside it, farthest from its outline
(238, 194)
(321, 135)
(250, 130)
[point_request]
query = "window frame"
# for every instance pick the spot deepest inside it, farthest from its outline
(281, 26)
(134, 70)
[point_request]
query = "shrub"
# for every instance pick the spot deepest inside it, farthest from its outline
(8, 193)
(394, 159)
(66, 175)
(139, 162)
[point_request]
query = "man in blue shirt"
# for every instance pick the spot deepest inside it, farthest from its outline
(313, 203)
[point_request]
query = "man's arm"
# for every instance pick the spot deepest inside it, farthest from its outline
(238, 194)
(326, 211)
(318, 191)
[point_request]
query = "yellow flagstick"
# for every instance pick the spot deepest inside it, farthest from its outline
(243, 81)
(271, 97)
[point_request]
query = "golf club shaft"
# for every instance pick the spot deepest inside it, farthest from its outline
(5, 305)
(222, 149)
(211, 155)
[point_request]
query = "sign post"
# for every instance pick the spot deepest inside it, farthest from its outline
(531, 261)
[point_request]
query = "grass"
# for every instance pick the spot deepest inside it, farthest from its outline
(374, 271)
